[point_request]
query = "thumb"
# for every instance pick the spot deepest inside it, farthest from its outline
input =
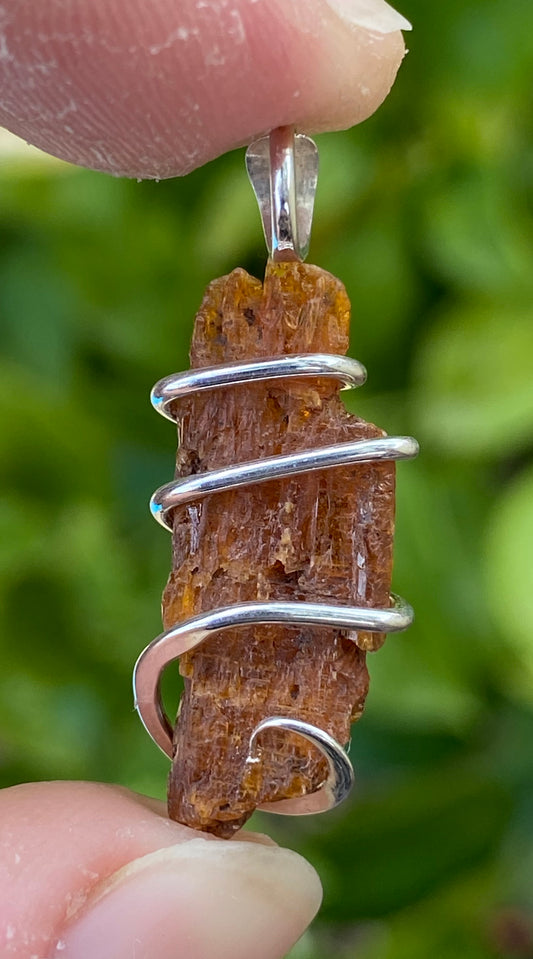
(200, 899)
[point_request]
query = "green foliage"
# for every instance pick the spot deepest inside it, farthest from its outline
(425, 213)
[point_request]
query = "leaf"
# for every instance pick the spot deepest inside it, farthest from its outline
(477, 236)
(431, 677)
(394, 848)
(48, 445)
(509, 576)
(473, 394)
(58, 728)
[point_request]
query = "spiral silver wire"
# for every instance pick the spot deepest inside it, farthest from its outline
(186, 636)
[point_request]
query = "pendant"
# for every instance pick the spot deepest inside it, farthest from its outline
(282, 522)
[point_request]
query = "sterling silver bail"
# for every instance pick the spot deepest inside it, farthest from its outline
(283, 171)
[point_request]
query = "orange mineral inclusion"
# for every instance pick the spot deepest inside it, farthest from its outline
(322, 537)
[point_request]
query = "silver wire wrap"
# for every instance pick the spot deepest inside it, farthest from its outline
(186, 636)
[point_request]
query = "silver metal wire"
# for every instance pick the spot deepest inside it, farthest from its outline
(184, 637)
(283, 171)
(348, 372)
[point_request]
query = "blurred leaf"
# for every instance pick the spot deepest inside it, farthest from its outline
(38, 309)
(21, 530)
(479, 238)
(396, 848)
(474, 382)
(110, 610)
(432, 676)
(229, 222)
(452, 924)
(383, 290)
(58, 728)
(508, 561)
(48, 445)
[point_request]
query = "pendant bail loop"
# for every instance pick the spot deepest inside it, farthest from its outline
(283, 171)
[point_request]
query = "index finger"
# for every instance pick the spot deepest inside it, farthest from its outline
(155, 88)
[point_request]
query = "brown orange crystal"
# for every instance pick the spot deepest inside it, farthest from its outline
(324, 536)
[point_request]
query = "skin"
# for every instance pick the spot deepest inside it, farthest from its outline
(88, 870)
(155, 88)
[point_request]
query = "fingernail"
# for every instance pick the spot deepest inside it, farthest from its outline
(201, 899)
(376, 15)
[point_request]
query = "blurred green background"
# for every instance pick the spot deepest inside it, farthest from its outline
(425, 213)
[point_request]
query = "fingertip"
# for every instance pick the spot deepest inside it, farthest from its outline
(65, 843)
(215, 900)
(151, 88)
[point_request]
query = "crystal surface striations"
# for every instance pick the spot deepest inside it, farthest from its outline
(323, 536)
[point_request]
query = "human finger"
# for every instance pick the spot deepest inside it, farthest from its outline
(90, 870)
(155, 88)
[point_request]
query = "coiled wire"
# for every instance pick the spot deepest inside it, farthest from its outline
(184, 637)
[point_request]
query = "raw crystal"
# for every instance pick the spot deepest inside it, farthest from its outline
(323, 536)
